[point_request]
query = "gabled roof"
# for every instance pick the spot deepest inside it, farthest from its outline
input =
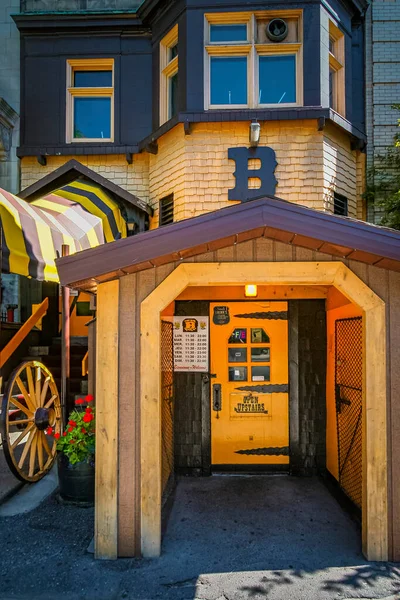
(264, 217)
(73, 170)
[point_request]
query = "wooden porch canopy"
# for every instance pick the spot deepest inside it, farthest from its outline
(268, 217)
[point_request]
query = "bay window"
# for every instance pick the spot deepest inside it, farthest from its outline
(245, 68)
(169, 75)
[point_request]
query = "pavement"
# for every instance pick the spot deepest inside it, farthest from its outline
(227, 538)
(9, 484)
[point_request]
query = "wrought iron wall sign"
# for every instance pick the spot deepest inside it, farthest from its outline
(270, 315)
(221, 315)
(284, 451)
(265, 389)
(242, 173)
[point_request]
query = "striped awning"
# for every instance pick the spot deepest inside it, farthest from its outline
(96, 201)
(32, 234)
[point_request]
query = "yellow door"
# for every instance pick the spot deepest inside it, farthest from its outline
(249, 393)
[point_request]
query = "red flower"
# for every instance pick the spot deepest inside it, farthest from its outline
(49, 431)
(57, 436)
(72, 423)
(79, 401)
(89, 398)
(64, 434)
(88, 417)
(88, 409)
(70, 429)
(72, 441)
(83, 430)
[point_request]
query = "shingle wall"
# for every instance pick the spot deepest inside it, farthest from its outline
(311, 165)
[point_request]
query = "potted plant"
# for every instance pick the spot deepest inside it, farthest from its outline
(76, 453)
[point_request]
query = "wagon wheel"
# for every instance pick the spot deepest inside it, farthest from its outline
(30, 405)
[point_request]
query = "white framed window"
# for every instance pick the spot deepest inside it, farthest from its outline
(90, 100)
(336, 70)
(169, 75)
(245, 65)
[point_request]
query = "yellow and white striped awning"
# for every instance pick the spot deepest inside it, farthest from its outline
(96, 201)
(32, 234)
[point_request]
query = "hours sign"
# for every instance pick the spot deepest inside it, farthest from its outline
(191, 344)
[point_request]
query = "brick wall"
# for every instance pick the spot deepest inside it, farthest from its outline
(195, 168)
(382, 77)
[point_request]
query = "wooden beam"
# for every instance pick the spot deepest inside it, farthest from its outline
(375, 524)
(128, 495)
(106, 513)
(21, 334)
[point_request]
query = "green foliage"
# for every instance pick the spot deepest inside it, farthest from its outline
(78, 440)
(383, 182)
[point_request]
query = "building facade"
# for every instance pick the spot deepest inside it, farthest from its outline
(208, 114)
(168, 119)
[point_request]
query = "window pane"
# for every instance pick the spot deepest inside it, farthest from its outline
(258, 336)
(229, 80)
(173, 95)
(237, 374)
(332, 45)
(238, 336)
(237, 355)
(92, 118)
(172, 52)
(277, 79)
(260, 374)
(332, 99)
(260, 355)
(228, 33)
(92, 78)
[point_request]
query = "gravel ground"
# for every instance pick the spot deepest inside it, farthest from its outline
(228, 538)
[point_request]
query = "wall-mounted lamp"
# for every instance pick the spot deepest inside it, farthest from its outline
(254, 133)
(131, 226)
(250, 291)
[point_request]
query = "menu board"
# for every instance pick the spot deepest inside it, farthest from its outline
(191, 344)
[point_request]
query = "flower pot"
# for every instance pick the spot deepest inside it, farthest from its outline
(76, 482)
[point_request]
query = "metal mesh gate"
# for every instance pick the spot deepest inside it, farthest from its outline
(348, 394)
(167, 408)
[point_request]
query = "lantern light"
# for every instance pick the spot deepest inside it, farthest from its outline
(250, 291)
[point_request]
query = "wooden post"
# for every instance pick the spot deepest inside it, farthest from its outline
(106, 490)
(65, 345)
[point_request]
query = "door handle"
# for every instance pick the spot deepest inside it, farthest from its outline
(217, 397)
(207, 376)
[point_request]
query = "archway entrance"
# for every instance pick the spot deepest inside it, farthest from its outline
(374, 393)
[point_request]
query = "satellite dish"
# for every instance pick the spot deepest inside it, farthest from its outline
(277, 30)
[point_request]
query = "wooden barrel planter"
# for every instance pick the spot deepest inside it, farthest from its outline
(76, 482)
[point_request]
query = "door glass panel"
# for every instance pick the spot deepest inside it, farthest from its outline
(260, 355)
(237, 355)
(258, 336)
(237, 373)
(239, 336)
(260, 373)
